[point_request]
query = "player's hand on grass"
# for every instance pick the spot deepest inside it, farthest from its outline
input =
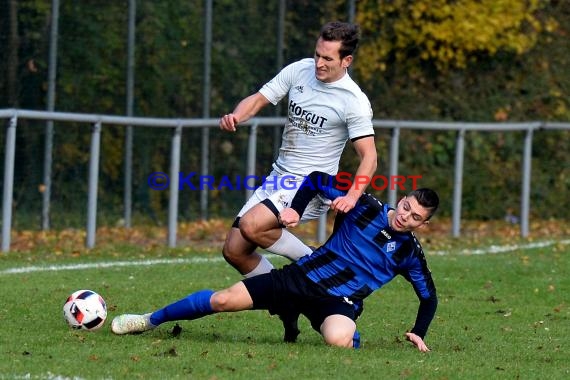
(289, 218)
(417, 341)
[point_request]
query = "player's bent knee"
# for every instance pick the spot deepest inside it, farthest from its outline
(338, 330)
(233, 249)
(249, 228)
(339, 340)
(228, 253)
(220, 301)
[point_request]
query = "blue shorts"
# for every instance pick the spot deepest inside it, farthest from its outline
(287, 290)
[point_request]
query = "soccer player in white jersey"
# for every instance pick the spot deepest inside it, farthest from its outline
(325, 109)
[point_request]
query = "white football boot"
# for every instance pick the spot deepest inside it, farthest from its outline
(131, 324)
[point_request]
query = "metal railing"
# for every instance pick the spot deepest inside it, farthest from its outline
(98, 121)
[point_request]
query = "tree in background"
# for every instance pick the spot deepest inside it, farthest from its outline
(455, 60)
(430, 46)
(463, 60)
(449, 34)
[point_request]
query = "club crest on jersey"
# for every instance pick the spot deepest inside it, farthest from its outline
(283, 200)
(391, 246)
(299, 89)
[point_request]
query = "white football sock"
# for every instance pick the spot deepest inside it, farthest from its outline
(264, 266)
(290, 246)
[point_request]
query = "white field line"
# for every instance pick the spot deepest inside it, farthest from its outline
(109, 264)
(493, 249)
(47, 376)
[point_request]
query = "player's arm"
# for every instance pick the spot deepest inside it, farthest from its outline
(366, 151)
(426, 312)
(428, 305)
(313, 184)
(420, 278)
(244, 111)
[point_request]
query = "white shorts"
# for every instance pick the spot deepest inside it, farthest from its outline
(280, 189)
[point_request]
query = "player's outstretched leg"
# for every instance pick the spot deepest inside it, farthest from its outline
(195, 305)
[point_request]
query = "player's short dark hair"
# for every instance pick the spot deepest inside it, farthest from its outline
(348, 34)
(426, 198)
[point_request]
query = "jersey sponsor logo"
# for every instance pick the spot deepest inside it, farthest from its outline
(309, 122)
(386, 234)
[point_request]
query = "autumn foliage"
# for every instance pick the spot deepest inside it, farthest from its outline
(450, 34)
(429, 60)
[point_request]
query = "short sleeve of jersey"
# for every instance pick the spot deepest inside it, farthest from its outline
(358, 113)
(278, 87)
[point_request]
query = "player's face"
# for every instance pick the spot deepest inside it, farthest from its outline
(409, 215)
(329, 67)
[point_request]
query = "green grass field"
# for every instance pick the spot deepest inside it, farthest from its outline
(501, 316)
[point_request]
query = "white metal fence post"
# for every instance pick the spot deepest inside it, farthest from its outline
(8, 191)
(458, 183)
(174, 186)
(526, 177)
(93, 184)
(393, 170)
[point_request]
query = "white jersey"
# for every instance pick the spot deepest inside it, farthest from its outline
(321, 118)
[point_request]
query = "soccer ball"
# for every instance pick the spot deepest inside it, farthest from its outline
(85, 310)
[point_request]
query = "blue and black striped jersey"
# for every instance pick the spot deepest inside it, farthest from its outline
(364, 253)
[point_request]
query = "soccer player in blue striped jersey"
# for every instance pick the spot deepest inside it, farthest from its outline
(370, 246)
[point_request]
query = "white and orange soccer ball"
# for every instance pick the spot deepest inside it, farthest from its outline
(85, 310)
